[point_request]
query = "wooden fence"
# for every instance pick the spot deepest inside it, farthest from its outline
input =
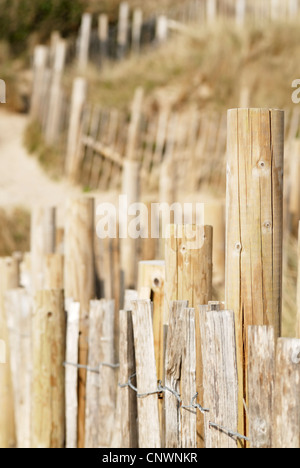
(160, 364)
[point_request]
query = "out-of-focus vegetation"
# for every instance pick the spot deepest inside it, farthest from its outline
(14, 232)
(25, 21)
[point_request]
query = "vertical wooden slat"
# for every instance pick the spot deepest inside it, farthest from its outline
(149, 429)
(287, 390)
(71, 372)
(188, 382)
(220, 383)
(254, 226)
(9, 279)
(84, 41)
(80, 282)
(261, 382)
(48, 350)
(129, 428)
(174, 351)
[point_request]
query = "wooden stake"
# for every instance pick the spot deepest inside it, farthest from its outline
(123, 29)
(71, 372)
(9, 279)
(80, 283)
(137, 24)
(55, 101)
(48, 350)
(261, 382)
(39, 66)
(254, 226)
(18, 306)
(84, 41)
(220, 382)
(77, 104)
(103, 30)
(161, 33)
(127, 369)
(54, 271)
(286, 421)
(42, 240)
(174, 351)
(100, 388)
(149, 430)
(298, 290)
(188, 382)
(152, 275)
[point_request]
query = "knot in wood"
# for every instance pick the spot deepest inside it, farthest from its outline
(238, 247)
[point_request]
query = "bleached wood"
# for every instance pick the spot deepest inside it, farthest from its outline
(261, 383)
(84, 41)
(71, 372)
(137, 23)
(54, 271)
(220, 383)
(254, 226)
(286, 421)
(42, 241)
(174, 352)
(149, 429)
(78, 99)
(188, 382)
(298, 290)
(40, 58)
(123, 29)
(188, 256)
(18, 306)
(9, 279)
(129, 427)
(48, 382)
(79, 280)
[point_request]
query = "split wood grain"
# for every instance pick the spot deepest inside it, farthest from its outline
(254, 226)
(287, 390)
(48, 380)
(149, 428)
(129, 426)
(220, 382)
(261, 383)
(71, 372)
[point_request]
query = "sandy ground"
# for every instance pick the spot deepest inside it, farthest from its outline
(23, 182)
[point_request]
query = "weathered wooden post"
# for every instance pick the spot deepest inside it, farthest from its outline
(162, 29)
(42, 240)
(71, 372)
(286, 422)
(211, 10)
(48, 380)
(18, 305)
(261, 383)
(137, 23)
(188, 256)
(151, 274)
(84, 41)
(240, 12)
(122, 38)
(130, 189)
(55, 101)
(100, 384)
(77, 104)
(129, 428)
(9, 279)
(80, 283)
(149, 430)
(40, 59)
(54, 271)
(254, 226)
(220, 381)
(298, 290)
(103, 31)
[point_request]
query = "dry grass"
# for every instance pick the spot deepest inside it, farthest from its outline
(208, 70)
(15, 231)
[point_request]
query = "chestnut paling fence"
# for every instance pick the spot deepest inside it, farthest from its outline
(143, 357)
